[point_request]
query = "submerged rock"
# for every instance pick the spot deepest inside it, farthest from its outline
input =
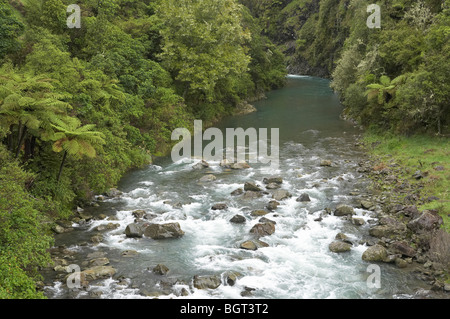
(200, 165)
(325, 163)
(273, 180)
(219, 206)
(160, 269)
(98, 272)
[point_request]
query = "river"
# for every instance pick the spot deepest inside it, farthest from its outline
(297, 262)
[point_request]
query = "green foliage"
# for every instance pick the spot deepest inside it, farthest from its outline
(10, 29)
(24, 237)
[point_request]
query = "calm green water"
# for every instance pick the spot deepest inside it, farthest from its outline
(296, 264)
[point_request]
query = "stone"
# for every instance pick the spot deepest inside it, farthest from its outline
(339, 246)
(280, 194)
(134, 230)
(402, 247)
(270, 180)
(139, 213)
(239, 165)
(160, 269)
(273, 186)
(358, 221)
(114, 192)
(263, 229)
(387, 227)
(249, 186)
(236, 192)
(163, 231)
(375, 253)
(207, 178)
(267, 220)
(343, 210)
(272, 205)
(98, 272)
(219, 206)
(206, 282)
(129, 253)
(258, 212)
(365, 204)
(231, 277)
(248, 245)
(102, 261)
(401, 263)
(325, 163)
(252, 195)
(303, 198)
(200, 165)
(343, 237)
(427, 221)
(238, 219)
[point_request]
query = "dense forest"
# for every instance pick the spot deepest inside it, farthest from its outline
(81, 106)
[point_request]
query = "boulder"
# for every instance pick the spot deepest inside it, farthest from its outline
(129, 253)
(219, 206)
(375, 253)
(252, 195)
(253, 244)
(231, 277)
(272, 205)
(365, 204)
(270, 180)
(402, 247)
(339, 246)
(249, 186)
(238, 219)
(325, 163)
(160, 269)
(258, 212)
(200, 165)
(343, 210)
(236, 192)
(273, 186)
(239, 165)
(263, 229)
(134, 231)
(98, 272)
(114, 192)
(358, 221)
(139, 213)
(163, 231)
(427, 221)
(207, 178)
(206, 282)
(281, 194)
(303, 198)
(101, 261)
(387, 227)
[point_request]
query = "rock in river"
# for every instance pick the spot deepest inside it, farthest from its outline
(263, 229)
(281, 194)
(134, 231)
(207, 282)
(375, 253)
(343, 210)
(163, 231)
(339, 246)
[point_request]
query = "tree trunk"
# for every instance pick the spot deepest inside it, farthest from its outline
(21, 139)
(61, 166)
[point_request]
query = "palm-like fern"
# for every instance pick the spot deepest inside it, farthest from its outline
(28, 103)
(384, 90)
(75, 140)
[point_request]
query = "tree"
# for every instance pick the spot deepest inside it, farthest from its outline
(75, 140)
(28, 104)
(384, 90)
(203, 43)
(10, 29)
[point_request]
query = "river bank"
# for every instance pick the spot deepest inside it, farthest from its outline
(413, 225)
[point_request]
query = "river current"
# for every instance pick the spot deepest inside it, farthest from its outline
(297, 262)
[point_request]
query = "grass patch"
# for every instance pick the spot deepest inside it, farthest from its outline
(428, 154)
